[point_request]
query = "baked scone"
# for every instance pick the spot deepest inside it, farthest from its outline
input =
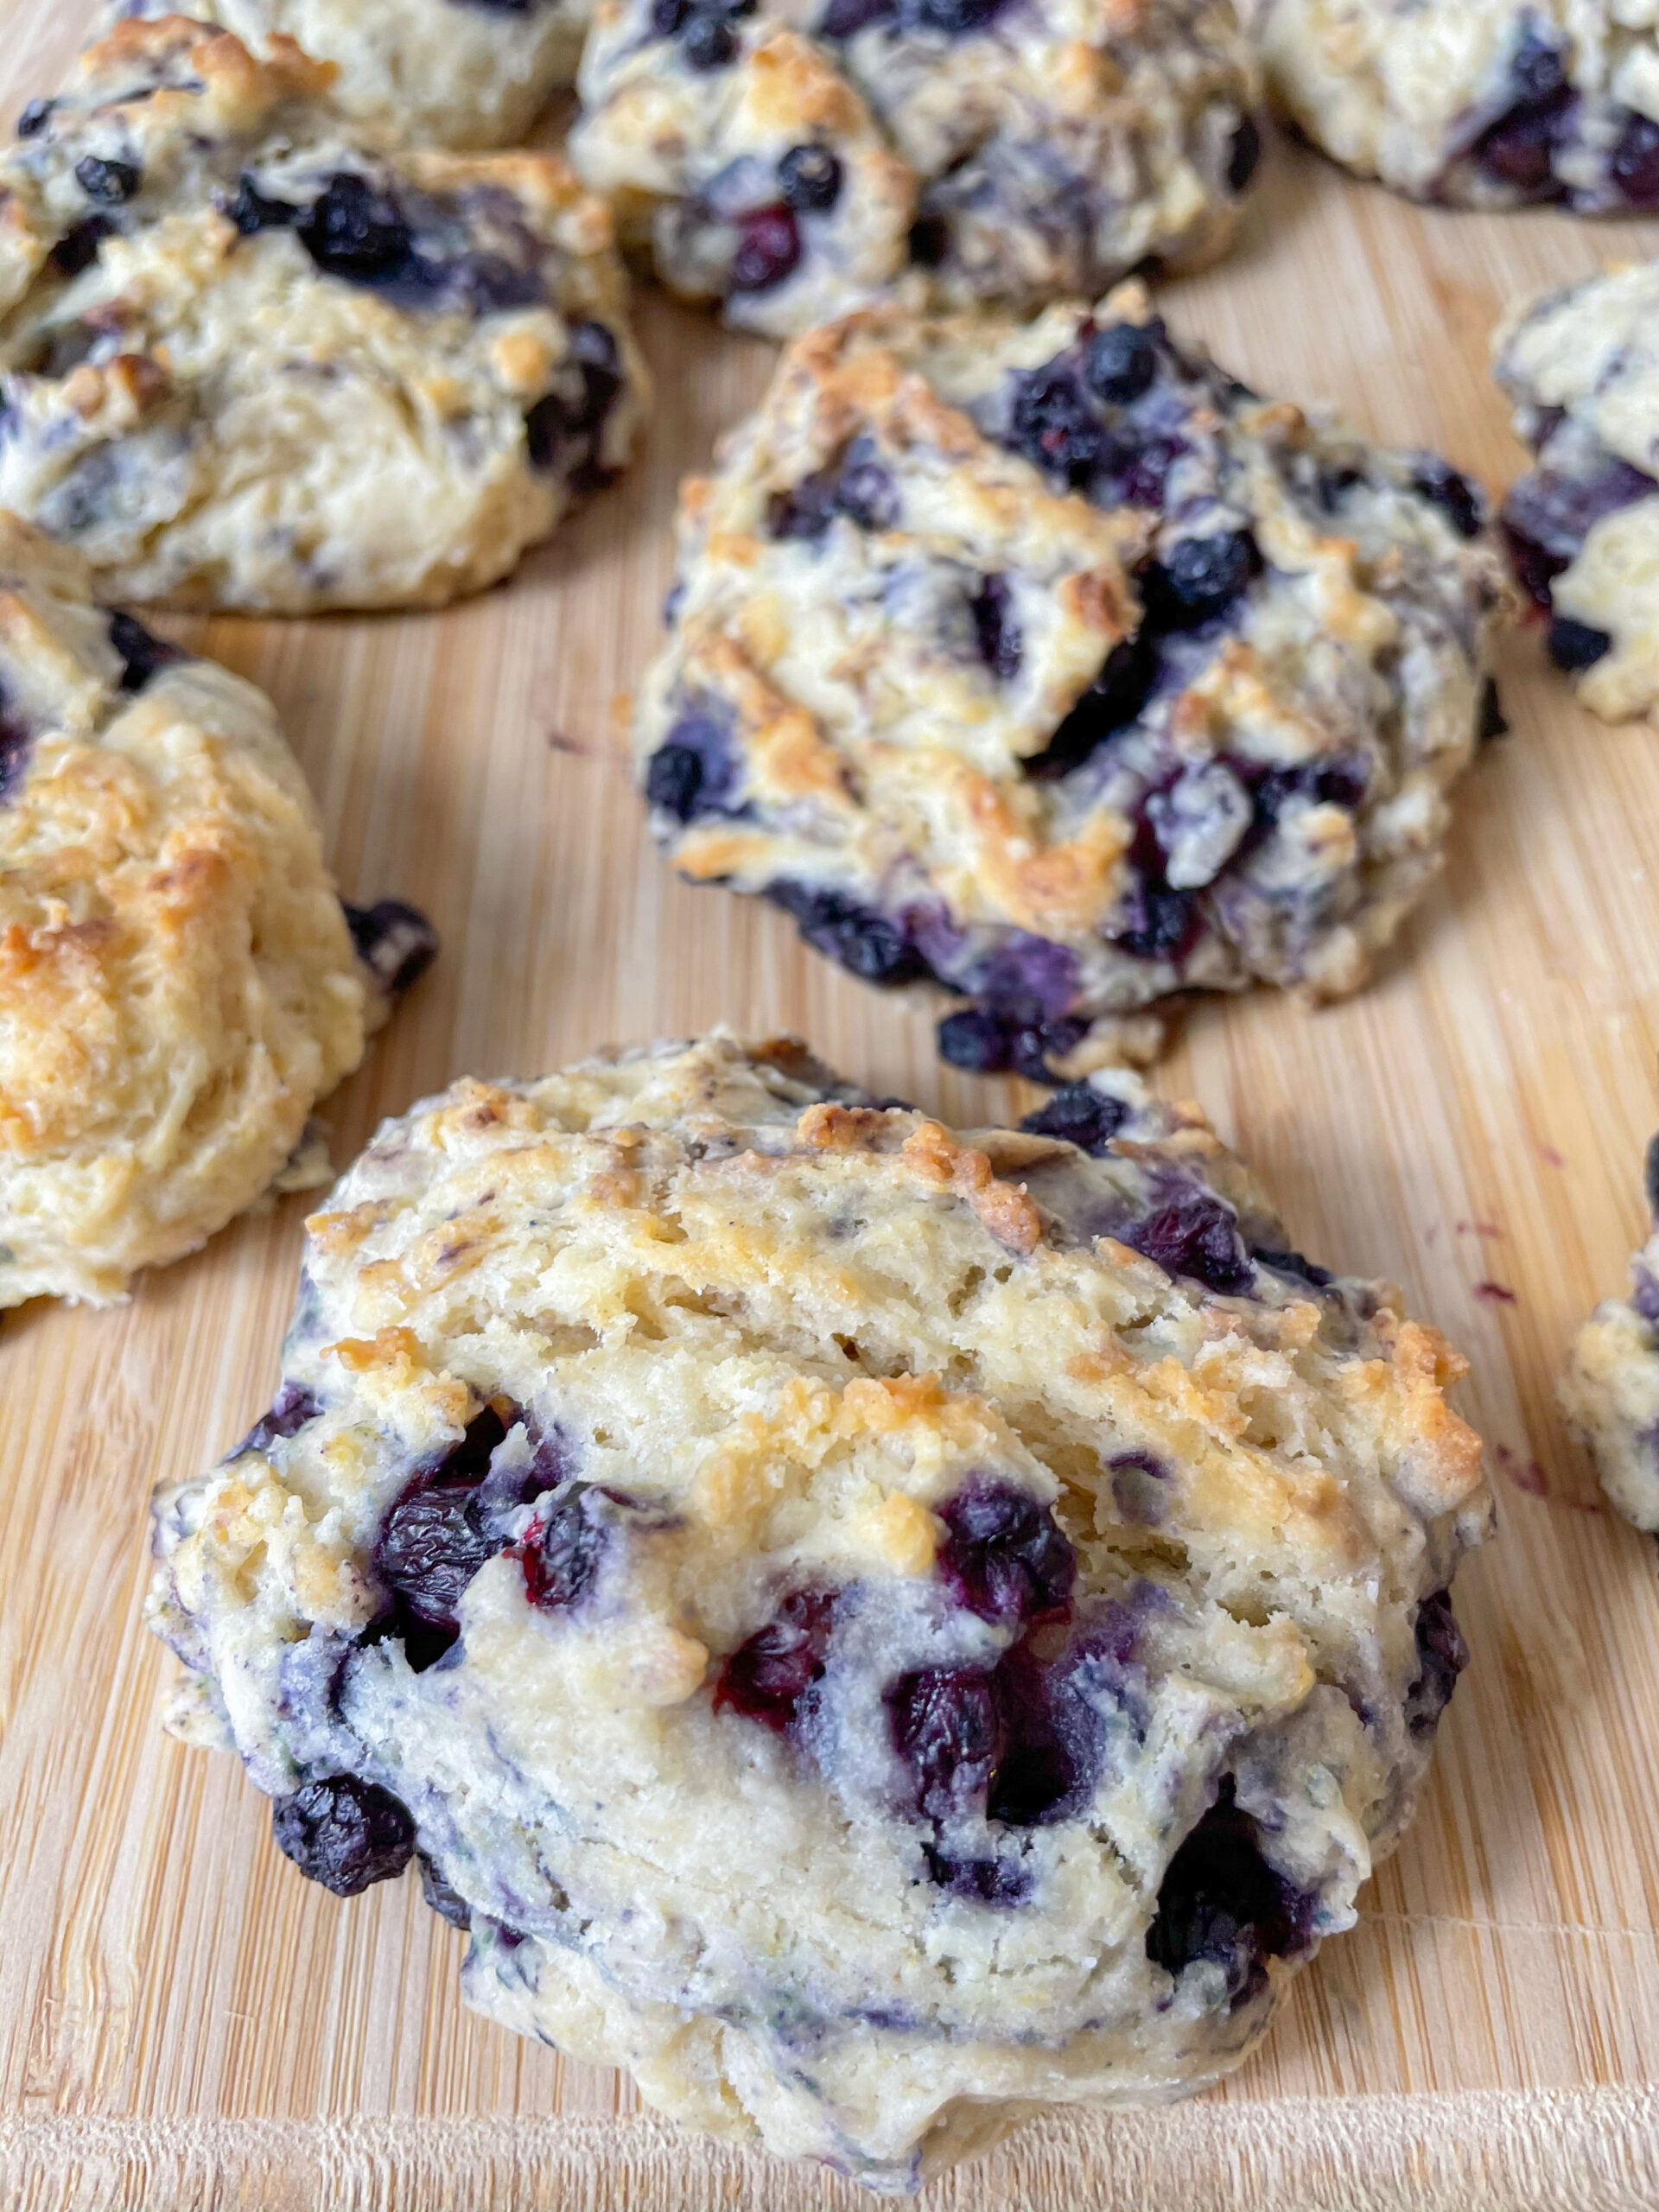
(1048, 661)
(791, 158)
(246, 364)
(761, 182)
(1609, 1393)
(1581, 365)
(178, 982)
(466, 74)
(1481, 102)
(876, 1630)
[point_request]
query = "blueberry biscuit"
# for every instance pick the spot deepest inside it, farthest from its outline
(1609, 1393)
(1008, 153)
(463, 74)
(1051, 663)
(179, 983)
(1481, 103)
(247, 364)
(1582, 366)
(761, 182)
(873, 1629)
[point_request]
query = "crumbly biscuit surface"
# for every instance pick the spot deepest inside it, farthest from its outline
(1048, 661)
(876, 1628)
(794, 161)
(1482, 103)
(247, 364)
(467, 75)
(178, 985)
(1609, 1393)
(1581, 365)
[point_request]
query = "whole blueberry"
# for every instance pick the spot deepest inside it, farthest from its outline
(35, 118)
(809, 177)
(768, 248)
(1199, 578)
(1120, 362)
(357, 230)
(109, 183)
(1055, 427)
(974, 1038)
(344, 1833)
(1573, 646)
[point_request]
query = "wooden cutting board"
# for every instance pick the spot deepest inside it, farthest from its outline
(185, 2024)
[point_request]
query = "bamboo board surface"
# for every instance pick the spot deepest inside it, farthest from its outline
(185, 2024)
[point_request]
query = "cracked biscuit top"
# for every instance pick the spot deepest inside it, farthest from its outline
(462, 73)
(178, 982)
(1481, 102)
(793, 159)
(1581, 365)
(872, 1627)
(1047, 660)
(246, 363)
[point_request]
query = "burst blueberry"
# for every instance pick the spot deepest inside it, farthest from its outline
(108, 182)
(947, 1731)
(565, 1548)
(1005, 1557)
(142, 651)
(1054, 426)
(1244, 155)
(1442, 1656)
(1220, 1902)
(1080, 1114)
(1193, 1232)
(768, 1678)
(1000, 646)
